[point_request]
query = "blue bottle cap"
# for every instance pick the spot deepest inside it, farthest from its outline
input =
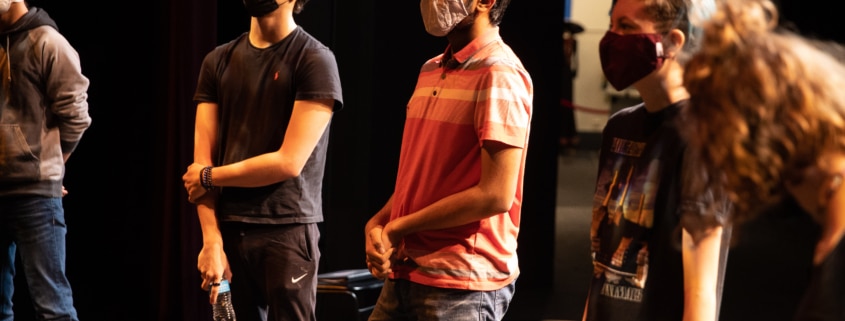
(224, 286)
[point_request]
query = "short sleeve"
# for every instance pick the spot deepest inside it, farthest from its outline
(318, 77)
(703, 206)
(504, 109)
(206, 90)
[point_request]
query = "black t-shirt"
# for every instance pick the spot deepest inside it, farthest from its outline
(255, 90)
(635, 235)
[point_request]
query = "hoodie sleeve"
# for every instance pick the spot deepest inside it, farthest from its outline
(66, 86)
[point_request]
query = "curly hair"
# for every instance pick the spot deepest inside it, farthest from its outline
(765, 104)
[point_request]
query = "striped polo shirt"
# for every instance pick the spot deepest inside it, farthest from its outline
(480, 93)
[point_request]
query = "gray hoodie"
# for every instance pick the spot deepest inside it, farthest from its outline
(43, 106)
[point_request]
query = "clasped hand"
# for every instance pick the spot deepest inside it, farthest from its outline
(193, 185)
(379, 249)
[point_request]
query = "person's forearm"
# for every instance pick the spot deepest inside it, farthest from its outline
(208, 223)
(461, 208)
(494, 194)
(307, 125)
(67, 89)
(257, 171)
(701, 259)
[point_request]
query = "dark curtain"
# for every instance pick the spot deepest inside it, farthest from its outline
(190, 32)
(132, 236)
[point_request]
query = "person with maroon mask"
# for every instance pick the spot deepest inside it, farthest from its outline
(265, 101)
(445, 241)
(657, 252)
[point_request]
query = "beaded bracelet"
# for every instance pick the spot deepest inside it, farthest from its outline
(205, 178)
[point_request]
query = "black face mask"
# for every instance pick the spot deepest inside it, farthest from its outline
(259, 8)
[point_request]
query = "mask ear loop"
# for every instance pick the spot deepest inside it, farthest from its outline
(680, 17)
(660, 50)
(658, 47)
(8, 59)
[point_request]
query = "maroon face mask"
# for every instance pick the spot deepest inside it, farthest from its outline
(628, 58)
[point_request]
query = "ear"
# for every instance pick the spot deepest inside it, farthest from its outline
(676, 41)
(486, 4)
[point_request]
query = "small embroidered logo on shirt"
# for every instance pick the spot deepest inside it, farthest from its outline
(295, 280)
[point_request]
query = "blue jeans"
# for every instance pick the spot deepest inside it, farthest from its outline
(36, 226)
(404, 300)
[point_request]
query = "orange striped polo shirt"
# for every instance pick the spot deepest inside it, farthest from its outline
(481, 93)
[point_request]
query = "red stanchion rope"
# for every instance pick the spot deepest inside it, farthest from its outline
(568, 104)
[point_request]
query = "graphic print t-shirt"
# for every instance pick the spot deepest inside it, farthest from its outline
(637, 271)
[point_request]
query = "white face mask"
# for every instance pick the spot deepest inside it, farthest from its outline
(441, 16)
(4, 6)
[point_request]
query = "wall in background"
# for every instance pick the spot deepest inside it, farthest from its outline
(589, 94)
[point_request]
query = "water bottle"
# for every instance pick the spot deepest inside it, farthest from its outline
(222, 310)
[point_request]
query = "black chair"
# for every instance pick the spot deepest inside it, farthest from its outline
(347, 301)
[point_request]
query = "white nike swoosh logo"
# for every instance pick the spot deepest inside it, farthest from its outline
(294, 280)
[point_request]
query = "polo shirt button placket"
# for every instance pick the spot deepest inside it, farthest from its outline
(442, 77)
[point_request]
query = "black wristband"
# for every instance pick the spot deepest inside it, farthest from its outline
(205, 178)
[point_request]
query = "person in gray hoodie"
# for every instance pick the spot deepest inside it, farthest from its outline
(43, 114)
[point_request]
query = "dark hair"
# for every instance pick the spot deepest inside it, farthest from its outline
(668, 14)
(498, 11)
(679, 14)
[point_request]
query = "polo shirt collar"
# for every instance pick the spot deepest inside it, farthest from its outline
(471, 48)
